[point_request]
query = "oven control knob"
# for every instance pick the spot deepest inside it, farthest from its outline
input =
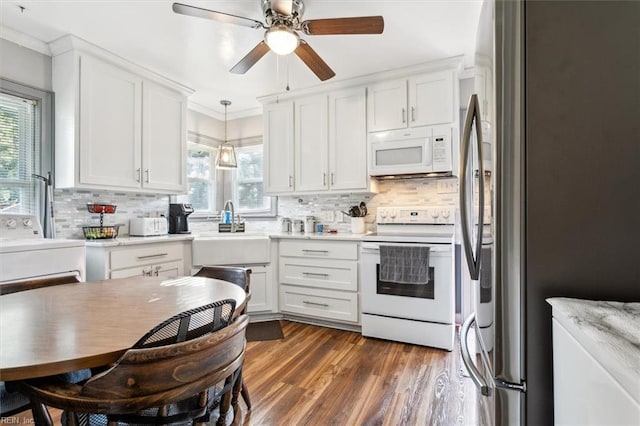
(11, 223)
(446, 214)
(27, 223)
(434, 213)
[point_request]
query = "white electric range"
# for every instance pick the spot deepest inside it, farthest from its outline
(424, 313)
(25, 254)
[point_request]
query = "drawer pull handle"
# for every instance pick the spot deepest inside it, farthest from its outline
(314, 251)
(306, 302)
(149, 256)
(315, 274)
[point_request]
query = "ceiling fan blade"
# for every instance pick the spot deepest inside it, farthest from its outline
(283, 7)
(250, 59)
(313, 61)
(226, 18)
(360, 25)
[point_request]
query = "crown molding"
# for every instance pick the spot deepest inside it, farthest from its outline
(220, 116)
(24, 40)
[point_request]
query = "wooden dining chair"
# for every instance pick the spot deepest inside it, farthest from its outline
(167, 377)
(11, 402)
(242, 278)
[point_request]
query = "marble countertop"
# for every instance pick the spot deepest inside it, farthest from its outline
(344, 236)
(129, 241)
(609, 331)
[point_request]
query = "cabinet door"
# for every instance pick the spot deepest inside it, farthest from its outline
(431, 99)
(261, 291)
(387, 105)
(278, 147)
(311, 144)
(164, 139)
(110, 125)
(348, 139)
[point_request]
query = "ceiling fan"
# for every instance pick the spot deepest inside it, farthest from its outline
(283, 22)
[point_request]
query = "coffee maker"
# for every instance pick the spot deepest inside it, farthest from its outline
(178, 218)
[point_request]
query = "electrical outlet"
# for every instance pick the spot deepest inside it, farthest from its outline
(447, 186)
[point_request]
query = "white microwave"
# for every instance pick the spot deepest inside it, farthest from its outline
(420, 150)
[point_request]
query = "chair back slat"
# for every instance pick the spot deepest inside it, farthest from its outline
(32, 284)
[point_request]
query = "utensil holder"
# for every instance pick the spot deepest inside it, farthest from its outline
(357, 225)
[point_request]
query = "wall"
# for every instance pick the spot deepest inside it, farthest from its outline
(24, 65)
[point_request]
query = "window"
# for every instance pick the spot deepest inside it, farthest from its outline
(248, 183)
(201, 179)
(25, 146)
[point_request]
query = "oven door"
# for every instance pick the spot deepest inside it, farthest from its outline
(432, 302)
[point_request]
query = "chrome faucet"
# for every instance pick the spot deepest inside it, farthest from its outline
(229, 205)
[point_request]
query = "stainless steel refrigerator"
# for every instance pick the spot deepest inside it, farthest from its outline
(562, 189)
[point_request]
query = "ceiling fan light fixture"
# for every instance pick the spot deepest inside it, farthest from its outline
(281, 40)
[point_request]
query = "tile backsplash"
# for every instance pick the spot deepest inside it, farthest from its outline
(70, 209)
(71, 212)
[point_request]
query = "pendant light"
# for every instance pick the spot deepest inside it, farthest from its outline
(226, 158)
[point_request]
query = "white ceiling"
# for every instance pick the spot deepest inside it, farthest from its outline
(199, 53)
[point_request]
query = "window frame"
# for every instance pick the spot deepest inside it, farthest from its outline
(44, 105)
(199, 142)
(268, 213)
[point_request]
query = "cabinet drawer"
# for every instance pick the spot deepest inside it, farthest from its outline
(167, 269)
(148, 254)
(334, 274)
(320, 249)
(328, 304)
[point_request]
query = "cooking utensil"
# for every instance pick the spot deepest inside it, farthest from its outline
(363, 208)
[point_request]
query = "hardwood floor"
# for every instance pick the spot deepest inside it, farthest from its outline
(323, 376)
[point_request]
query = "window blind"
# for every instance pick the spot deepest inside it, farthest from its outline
(19, 153)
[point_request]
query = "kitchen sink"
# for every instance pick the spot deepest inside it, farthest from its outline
(229, 248)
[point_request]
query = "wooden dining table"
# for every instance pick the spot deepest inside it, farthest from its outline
(69, 327)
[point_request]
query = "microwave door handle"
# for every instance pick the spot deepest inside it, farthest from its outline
(473, 260)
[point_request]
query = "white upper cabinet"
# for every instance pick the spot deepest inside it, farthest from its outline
(348, 140)
(311, 143)
(278, 144)
(117, 126)
(421, 100)
(164, 119)
(317, 143)
(110, 129)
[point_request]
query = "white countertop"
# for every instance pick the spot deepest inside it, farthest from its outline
(609, 331)
(344, 236)
(129, 241)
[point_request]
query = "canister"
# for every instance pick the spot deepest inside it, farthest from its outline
(309, 225)
(298, 226)
(285, 225)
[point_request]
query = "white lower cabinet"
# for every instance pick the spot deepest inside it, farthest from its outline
(319, 279)
(150, 259)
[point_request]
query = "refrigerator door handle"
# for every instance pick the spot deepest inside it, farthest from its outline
(476, 376)
(473, 258)
(499, 383)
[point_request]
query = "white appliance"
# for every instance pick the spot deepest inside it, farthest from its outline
(420, 150)
(422, 314)
(25, 254)
(148, 226)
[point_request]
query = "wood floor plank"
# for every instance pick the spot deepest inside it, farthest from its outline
(323, 376)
